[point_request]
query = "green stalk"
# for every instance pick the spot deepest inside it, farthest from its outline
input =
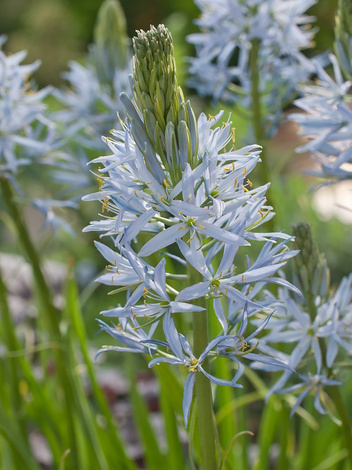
(337, 399)
(10, 340)
(228, 426)
(51, 315)
(33, 258)
(341, 409)
(206, 421)
(263, 167)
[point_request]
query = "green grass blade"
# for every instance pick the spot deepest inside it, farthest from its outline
(11, 432)
(154, 458)
(114, 445)
(175, 457)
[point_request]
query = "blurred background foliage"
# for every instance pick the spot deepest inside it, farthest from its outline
(56, 31)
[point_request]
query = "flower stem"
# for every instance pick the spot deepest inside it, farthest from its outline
(338, 402)
(206, 421)
(33, 258)
(50, 313)
(346, 426)
(257, 123)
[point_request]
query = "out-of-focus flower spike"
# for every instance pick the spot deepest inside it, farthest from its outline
(311, 268)
(169, 122)
(343, 36)
(110, 49)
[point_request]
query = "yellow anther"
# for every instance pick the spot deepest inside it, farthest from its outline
(162, 198)
(149, 182)
(182, 227)
(242, 277)
(223, 124)
(244, 171)
(100, 181)
(245, 189)
(235, 183)
(234, 270)
(201, 226)
(189, 239)
(117, 270)
(226, 291)
(226, 169)
(211, 117)
(233, 166)
(105, 206)
(166, 183)
(249, 182)
(233, 130)
(135, 193)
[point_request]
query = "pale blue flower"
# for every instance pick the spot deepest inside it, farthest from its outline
(327, 123)
(228, 28)
(310, 384)
(52, 219)
(90, 107)
(25, 133)
(178, 181)
(293, 324)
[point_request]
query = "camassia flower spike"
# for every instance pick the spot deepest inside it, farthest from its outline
(174, 189)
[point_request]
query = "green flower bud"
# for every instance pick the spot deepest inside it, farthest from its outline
(154, 72)
(169, 122)
(311, 270)
(110, 48)
(343, 36)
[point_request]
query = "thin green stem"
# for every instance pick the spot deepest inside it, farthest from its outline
(257, 121)
(346, 426)
(206, 420)
(50, 313)
(341, 409)
(33, 258)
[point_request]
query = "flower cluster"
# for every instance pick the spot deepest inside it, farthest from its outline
(25, 132)
(318, 328)
(90, 103)
(27, 135)
(327, 117)
(174, 190)
(327, 123)
(91, 100)
(231, 33)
